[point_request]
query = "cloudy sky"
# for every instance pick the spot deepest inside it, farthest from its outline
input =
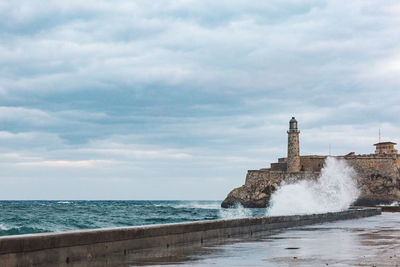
(177, 99)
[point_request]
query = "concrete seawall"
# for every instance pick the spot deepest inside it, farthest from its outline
(121, 246)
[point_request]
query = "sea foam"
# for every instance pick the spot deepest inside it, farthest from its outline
(64, 202)
(3, 227)
(335, 190)
(199, 205)
(233, 213)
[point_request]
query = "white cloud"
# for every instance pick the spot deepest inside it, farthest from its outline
(386, 68)
(64, 163)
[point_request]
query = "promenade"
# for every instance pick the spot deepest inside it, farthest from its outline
(371, 241)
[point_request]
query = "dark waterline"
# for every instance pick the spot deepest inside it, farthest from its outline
(25, 217)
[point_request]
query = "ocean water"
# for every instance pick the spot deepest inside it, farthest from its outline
(25, 217)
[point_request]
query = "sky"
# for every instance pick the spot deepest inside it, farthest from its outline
(177, 99)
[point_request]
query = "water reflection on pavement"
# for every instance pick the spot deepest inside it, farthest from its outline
(372, 241)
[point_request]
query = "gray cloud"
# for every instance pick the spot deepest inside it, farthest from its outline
(160, 97)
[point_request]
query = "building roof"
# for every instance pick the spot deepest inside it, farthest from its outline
(385, 143)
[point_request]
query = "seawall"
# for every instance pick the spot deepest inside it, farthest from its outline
(129, 245)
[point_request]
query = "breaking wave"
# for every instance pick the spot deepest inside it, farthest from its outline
(233, 213)
(212, 205)
(18, 230)
(3, 227)
(335, 190)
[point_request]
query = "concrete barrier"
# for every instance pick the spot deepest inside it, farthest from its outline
(127, 245)
(390, 208)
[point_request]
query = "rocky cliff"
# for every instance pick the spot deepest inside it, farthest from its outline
(260, 185)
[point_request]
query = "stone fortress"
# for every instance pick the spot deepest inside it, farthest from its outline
(378, 174)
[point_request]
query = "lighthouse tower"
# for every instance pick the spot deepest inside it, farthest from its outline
(293, 158)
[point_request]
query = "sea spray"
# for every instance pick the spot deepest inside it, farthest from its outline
(335, 190)
(233, 213)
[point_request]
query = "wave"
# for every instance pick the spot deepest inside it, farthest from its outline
(233, 213)
(210, 205)
(3, 227)
(199, 205)
(335, 190)
(64, 202)
(21, 230)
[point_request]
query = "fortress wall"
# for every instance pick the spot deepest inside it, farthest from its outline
(282, 160)
(369, 162)
(267, 177)
(136, 245)
(280, 166)
(368, 165)
(312, 163)
(307, 163)
(257, 175)
(258, 178)
(268, 181)
(378, 178)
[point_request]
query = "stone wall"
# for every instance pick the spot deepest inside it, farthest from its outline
(279, 166)
(312, 163)
(378, 178)
(282, 160)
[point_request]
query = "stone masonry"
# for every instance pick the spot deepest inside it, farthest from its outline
(293, 158)
(378, 175)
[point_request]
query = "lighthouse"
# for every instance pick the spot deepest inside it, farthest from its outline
(293, 158)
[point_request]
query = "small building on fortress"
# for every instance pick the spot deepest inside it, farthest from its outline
(378, 174)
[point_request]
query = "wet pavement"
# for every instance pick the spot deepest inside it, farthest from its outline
(372, 241)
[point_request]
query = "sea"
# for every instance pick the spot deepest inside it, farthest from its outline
(27, 217)
(335, 190)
